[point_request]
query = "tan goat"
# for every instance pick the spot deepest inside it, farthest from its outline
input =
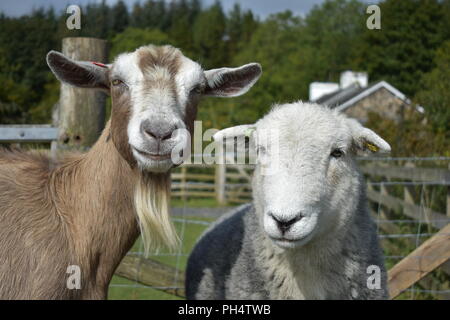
(88, 210)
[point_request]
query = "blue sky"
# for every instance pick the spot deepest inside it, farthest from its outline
(260, 7)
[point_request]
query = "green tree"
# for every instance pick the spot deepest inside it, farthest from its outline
(133, 38)
(158, 14)
(234, 29)
(297, 51)
(24, 43)
(403, 49)
(434, 92)
(330, 31)
(249, 26)
(137, 16)
(96, 20)
(119, 16)
(208, 34)
(181, 32)
(271, 51)
(414, 137)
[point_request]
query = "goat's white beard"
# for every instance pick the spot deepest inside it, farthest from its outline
(152, 201)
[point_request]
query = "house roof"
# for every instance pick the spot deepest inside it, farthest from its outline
(344, 98)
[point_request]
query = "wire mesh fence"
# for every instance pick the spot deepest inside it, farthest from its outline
(409, 212)
(408, 209)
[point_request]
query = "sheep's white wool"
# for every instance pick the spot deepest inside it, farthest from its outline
(309, 234)
(157, 229)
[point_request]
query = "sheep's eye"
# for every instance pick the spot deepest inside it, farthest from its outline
(117, 82)
(260, 150)
(337, 153)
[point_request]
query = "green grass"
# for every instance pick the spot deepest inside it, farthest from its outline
(133, 291)
(127, 289)
(124, 289)
(189, 234)
(195, 203)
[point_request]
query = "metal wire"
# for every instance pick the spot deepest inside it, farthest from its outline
(405, 228)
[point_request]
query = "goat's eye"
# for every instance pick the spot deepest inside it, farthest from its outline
(337, 153)
(117, 82)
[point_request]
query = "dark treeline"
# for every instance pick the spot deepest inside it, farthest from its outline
(206, 34)
(411, 51)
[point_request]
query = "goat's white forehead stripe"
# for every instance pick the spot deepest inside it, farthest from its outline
(148, 64)
(190, 73)
(158, 73)
(126, 66)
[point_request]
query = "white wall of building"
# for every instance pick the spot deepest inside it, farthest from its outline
(319, 89)
(350, 77)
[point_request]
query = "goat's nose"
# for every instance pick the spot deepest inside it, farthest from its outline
(285, 224)
(157, 131)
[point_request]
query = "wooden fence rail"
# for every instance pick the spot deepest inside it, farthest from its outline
(433, 253)
(436, 219)
(152, 273)
(411, 174)
(231, 183)
(430, 255)
(43, 133)
(27, 133)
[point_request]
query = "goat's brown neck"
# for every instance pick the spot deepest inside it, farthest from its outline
(97, 188)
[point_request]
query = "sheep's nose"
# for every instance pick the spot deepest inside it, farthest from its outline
(157, 131)
(285, 224)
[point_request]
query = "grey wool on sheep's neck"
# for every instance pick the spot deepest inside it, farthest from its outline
(331, 240)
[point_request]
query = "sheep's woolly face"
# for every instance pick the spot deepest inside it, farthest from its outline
(155, 92)
(306, 183)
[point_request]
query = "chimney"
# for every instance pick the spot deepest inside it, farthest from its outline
(349, 78)
(319, 89)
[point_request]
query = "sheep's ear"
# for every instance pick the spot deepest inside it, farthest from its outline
(232, 82)
(367, 140)
(239, 137)
(245, 130)
(83, 74)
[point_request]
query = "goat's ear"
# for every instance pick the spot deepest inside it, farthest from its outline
(245, 130)
(232, 82)
(367, 140)
(83, 74)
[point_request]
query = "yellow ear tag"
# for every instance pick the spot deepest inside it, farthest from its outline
(372, 147)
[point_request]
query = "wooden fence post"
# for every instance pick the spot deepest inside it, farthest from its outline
(81, 114)
(220, 175)
(448, 201)
(183, 185)
(448, 198)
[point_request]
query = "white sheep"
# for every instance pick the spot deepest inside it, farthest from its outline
(308, 234)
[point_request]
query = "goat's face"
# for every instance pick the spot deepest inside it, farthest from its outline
(155, 92)
(306, 183)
